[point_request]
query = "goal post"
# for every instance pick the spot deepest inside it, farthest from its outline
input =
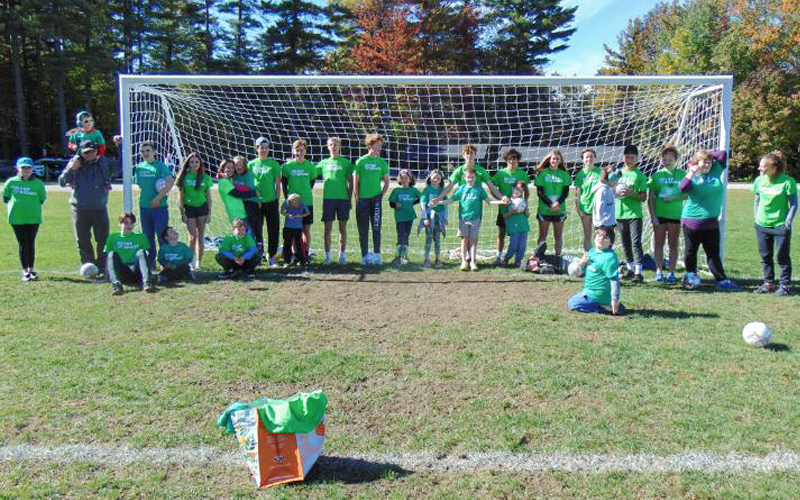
(425, 121)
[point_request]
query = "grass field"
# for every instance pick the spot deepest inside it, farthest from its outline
(412, 361)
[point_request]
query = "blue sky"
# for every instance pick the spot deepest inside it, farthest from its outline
(597, 22)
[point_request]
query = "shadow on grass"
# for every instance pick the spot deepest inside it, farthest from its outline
(330, 469)
(668, 313)
(79, 281)
(778, 348)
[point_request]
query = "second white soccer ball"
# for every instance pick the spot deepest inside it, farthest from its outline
(88, 270)
(518, 204)
(757, 334)
(575, 270)
(621, 189)
(160, 183)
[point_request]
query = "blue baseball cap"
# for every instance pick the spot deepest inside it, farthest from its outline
(25, 162)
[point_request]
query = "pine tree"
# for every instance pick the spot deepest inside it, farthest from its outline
(241, 54)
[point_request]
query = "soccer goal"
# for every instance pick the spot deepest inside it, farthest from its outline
(425, 120)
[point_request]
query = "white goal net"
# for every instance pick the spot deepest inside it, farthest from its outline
(425, 121)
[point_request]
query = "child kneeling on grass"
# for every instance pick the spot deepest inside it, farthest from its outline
(175, 258)
(126, 257)
(601, 286)
(238, 252)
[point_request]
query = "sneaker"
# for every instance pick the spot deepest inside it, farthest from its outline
(660, 278)
(426, 263)
(378, 261)
(403, 261)
(364, 261)
(671, 279)
(148, 287)
(116, 288)
(523, 266)
(250, 275)
(728, 286)
(782, 291)
(327, 260)
(228, 274)
(473, 266)
(273, 261)
(766, 287)
(504, 263)
(437, 264)
(627, 273)
(637, 279)
(342, 258)
(34, 276)
(464, 265)
(196, 267)
(499, 261)
(26, 276)
(161, 279)
(192, 276)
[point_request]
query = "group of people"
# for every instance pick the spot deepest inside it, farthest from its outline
(607, 198)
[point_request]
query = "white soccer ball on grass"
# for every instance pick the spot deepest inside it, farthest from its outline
(89, 270)
(575, 270)
(757, 334)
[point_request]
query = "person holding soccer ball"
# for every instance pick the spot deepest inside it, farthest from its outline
(631, 192)
(552, 187)
(506, 181)
(775, 208)
(585, 181)
(700, 219)
(370, 171)
(155, 181)
(337, 191)
(193, 189)
(665, 204)
(127, 257)
(402, 200)
(24, 194)
(601, 284)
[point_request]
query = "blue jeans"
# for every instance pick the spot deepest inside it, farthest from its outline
(581, 302)
(518, 243)
(154, 221)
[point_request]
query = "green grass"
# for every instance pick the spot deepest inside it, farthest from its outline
(413, 360)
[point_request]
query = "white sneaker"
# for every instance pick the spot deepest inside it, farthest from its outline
(378, 261)
(523, 266)
(498, 261)
(327, 260)
(273, 262)
(365, 260)
(473, 266)
(342, 258)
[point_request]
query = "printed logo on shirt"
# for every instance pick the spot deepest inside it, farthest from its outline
(298, 172)
(126, 245)
(772, 190)
(24, 190)
(590, 267)
(371, 166)
(553, 178)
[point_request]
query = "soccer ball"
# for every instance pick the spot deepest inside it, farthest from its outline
(160, 183)
(691, 281)
(518, 204)
(757, 334)
(621, 189)
(575, 269)
(89, 270)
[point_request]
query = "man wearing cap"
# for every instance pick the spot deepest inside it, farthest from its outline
(88, 175)
(267, 173)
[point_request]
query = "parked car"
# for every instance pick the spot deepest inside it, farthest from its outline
(49, 168)
(7, 169)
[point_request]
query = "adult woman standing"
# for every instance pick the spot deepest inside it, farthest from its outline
(193, 184)
(25, 195)
(552, 186)
(700, 219)
(775, 208)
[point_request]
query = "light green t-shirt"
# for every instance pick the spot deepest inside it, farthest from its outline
(629, 207)
(174, 256)
(470, 201)
(335, 172)
(196, 197)
(299, 176)
(601, 269)
(705, 197)
(585, 180)
(371, 170)
(405, 196)
(25, 200)
(237, 246)
(773, 199)
(665, 183)
(481, 175)
(552, 183)
(146, 175)
(505, 180)
(234, 207)
(126, 246)
(265, 173)
(430, 193)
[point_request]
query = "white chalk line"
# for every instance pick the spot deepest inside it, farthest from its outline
(109, 454)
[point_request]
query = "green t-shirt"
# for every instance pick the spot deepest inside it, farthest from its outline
(517, 223)
(146, 175)
(505, 180)
(95, 136)
(248, 180)
(405, 196)
(335, 172)
(705, 197)
(126, 246)
(299, 176)
(585, 180)
(629, 207)
(192, 196)
(371, 170)
(237, 246)
(430, 193)
(470, 201)
(552, 183)
(25, 200)
(773, 199)
(265, 173)
(665, 183)
(234, 207)
(601, 269)
(174, 256)
(481, 175)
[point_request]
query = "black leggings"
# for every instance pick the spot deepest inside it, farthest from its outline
(709, 238)
(631, 231)
(253, 211)
(269, 212)
(26, 237)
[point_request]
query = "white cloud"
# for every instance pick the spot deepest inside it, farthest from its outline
(587, 9)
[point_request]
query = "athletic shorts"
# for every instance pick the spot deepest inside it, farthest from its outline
(336, 210)
(195, 212)
(664, 220)
(469, 228)
(309, 219)
(551, 218)
(501, 221)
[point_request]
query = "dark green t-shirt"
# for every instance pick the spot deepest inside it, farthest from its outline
(470, 201)
(405, 197)
(705, 197)
(601, 269)
(174, 256)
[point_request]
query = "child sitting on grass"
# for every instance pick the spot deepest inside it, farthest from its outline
(293, 248)
(126, 257)
(175, 258)
(601, 286)
(238, 252)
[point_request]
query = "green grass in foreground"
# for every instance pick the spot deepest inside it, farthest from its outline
(411, 361)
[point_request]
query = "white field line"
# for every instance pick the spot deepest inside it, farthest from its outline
(422, 462)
